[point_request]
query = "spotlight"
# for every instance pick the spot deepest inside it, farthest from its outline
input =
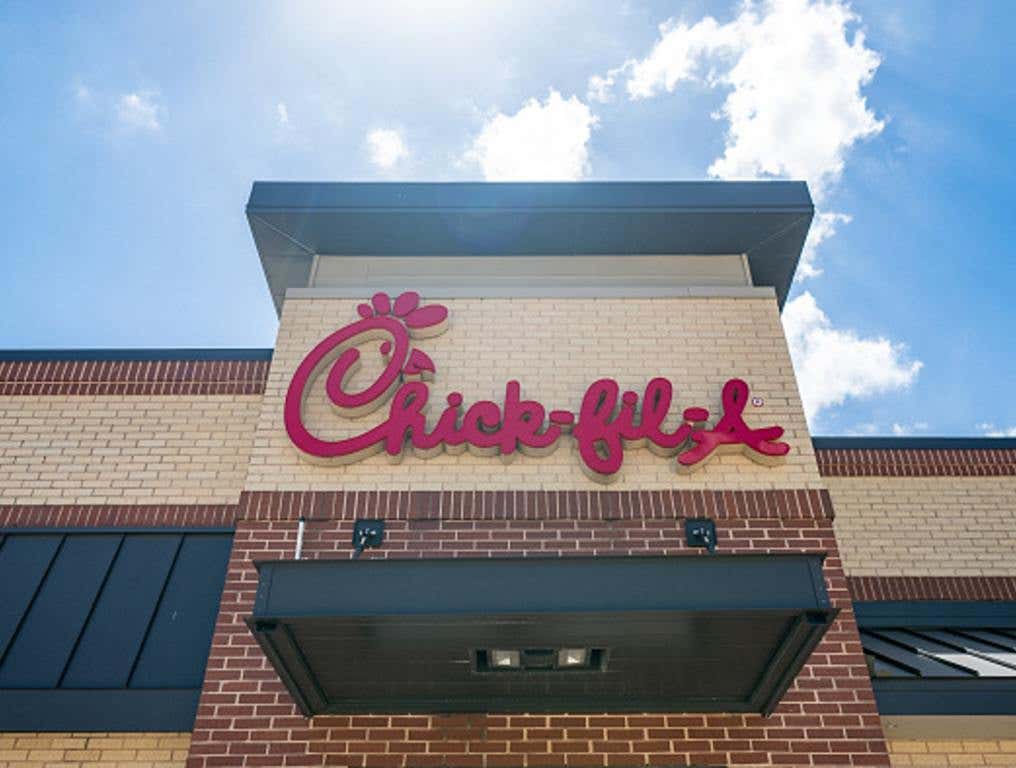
(505, 659)
(569, 658)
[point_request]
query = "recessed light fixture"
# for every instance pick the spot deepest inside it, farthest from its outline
(573, 657)
(505, 659)
(540, 659)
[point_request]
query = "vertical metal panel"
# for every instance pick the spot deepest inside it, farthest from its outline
(114, 633)
(39, 653)
(77, 608)
(176, 649)
(24, 561)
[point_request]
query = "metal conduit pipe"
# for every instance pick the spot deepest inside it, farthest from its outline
(299, 536)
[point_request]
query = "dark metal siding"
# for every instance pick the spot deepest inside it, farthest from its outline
(923, 652)
(113, 618)
(940, 658)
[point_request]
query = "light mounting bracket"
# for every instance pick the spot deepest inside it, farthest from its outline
(367, 534)
(700, 532)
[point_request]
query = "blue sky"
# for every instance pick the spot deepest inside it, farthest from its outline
(130, 134)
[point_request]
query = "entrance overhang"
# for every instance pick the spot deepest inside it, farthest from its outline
(723, 633)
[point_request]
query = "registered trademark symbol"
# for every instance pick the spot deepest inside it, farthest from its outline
(758, 402)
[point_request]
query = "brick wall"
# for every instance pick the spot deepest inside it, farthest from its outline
(245, 716)
(926, 526)
(953, 753)
(556, 348)
(132, 377)
(129, 449)
(916, 462)
(113, 444)
(932, 588)
(84, 750)
(118, 516)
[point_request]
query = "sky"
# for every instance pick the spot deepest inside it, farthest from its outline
(130, 134)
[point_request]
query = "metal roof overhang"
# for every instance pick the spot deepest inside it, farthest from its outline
(294, 221)
(941, 658)
(696, 634)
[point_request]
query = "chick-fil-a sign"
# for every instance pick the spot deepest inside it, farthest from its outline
(608, 421)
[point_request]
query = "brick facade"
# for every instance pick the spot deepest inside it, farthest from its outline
(537, 505)
(916, 462)
(132, 377)
(200, 444)
(134, 449)
(971, 588)
(246, 717)
(92, 750)
(952, 753)
(926, 526)
(118, 516)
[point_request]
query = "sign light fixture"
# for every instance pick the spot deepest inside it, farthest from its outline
(573, 657)
(548, 659)
(504, 659)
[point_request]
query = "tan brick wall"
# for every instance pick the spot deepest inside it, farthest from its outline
(926, 526)
(82, 750)
(555, 348)
(949, 754)
(87, 449)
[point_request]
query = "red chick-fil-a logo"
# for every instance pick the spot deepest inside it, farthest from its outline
(608, 421)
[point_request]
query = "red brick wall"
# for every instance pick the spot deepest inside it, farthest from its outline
(245, 716)
(932, 587)
(133, 377)
(117, 515)
(916, 462)
(537, 505)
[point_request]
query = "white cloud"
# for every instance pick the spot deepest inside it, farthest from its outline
(833, 364)
(901, 430)
(386, 147)
(798, 126)
(869, 428)
(793, 73)
(282, 113)
(601, 87)
(866, 428)
(823, 227)
(140, 110)
(990, 430)
(543, 141)
(794, 76)
(682, 52)
(83, 95)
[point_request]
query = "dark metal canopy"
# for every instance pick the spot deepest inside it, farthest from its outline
(765, 220)
(704, 634)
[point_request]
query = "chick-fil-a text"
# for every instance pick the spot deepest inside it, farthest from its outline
(608, 422)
